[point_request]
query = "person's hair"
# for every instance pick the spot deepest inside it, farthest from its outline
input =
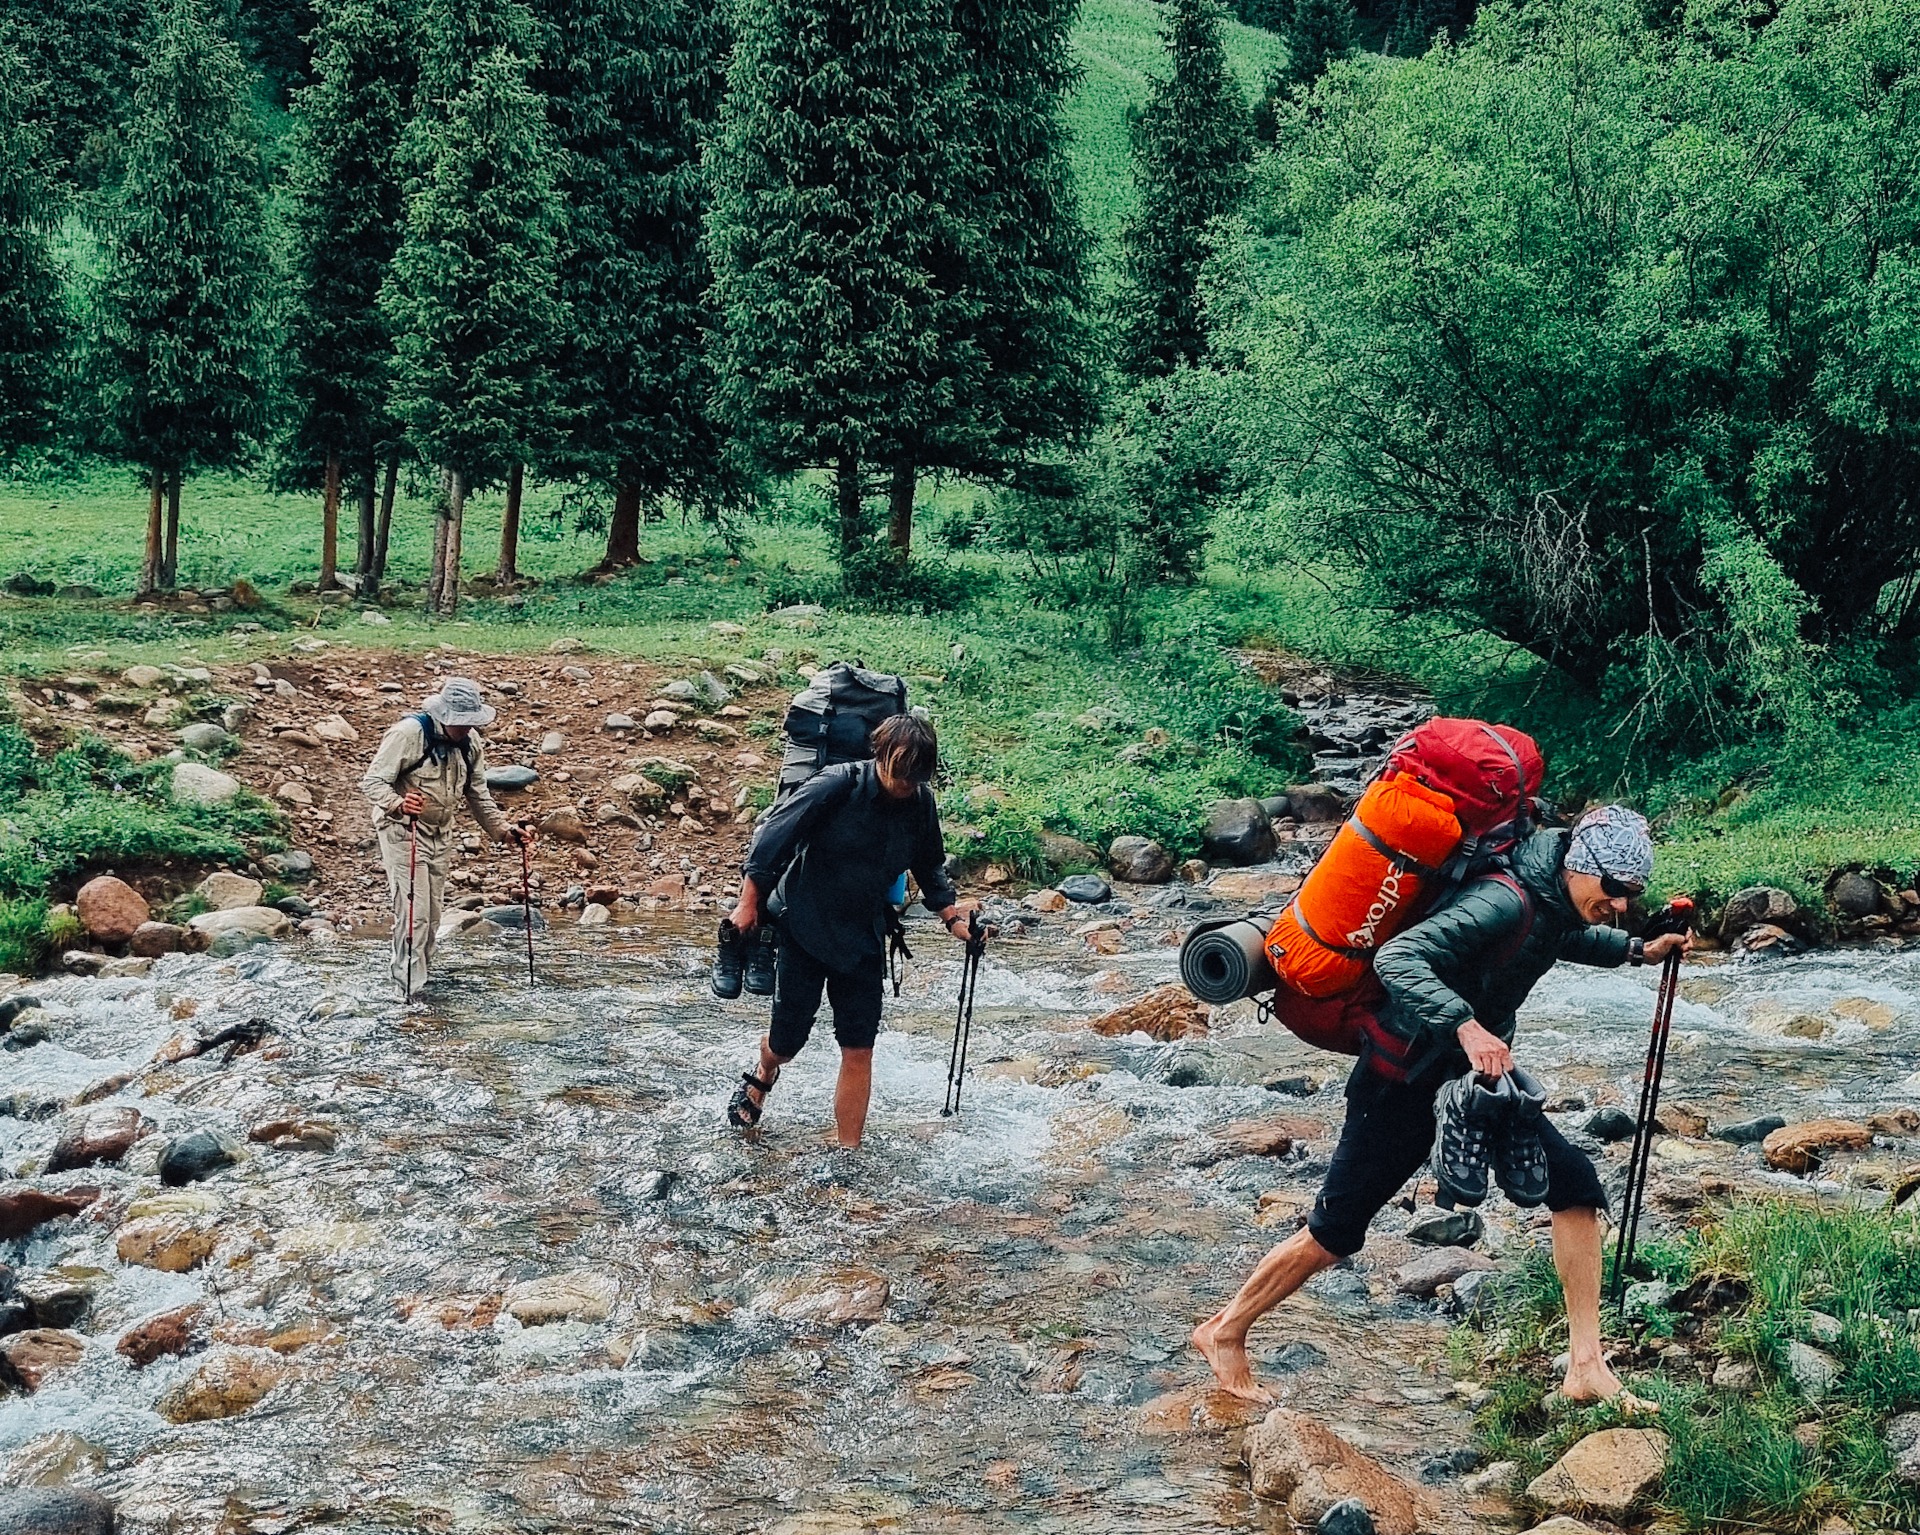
(907, 747)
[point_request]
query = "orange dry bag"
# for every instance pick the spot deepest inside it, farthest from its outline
(1364, 887)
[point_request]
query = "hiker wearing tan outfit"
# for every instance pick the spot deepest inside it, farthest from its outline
(426, 765)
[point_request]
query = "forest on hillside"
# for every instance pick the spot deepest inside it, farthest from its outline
(1586, 326)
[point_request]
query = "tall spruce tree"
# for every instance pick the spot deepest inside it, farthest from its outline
(1191, 150)
(183, 356)
(472, 297)
(839, 241)
(346, 219)
(1028, 244)
(32, 322)
(633, 89)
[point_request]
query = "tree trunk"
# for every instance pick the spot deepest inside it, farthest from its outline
(386, 518)
(623, 530)
(330, 522)
(170, 564)
(150, 565)
(900, 508)
(437, 571)
(506, 573)
(363, 530)
(456, 514)
(847, 493)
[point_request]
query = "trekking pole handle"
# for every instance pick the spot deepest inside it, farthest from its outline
(1675, 917)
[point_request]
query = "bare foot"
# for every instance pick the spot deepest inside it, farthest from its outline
(1596, 1382)
(1227, 1357)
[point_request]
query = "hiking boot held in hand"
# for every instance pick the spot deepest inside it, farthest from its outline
(729, 960)
(763, 950)
(1519, 1160)
(1467, 1116)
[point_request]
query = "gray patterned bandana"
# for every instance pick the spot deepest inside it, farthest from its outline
(1612, 842)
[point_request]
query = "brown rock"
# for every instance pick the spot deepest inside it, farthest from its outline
(155, 1337)
(1196, 1409)
(1306, 1465)
(1682, 1119)
(152, 939)
(230, 1382)
(294, 1134)
(101, 1134)
(291, 1340)
(1048, 900)
(1896, 1122)
(564, 825)
(844, 1295)
(1607, 1473)
(1166, 1013)
(1264, 1137)
(1252, 886)
(1425, 1274)
(669, 887)
(165, 1242)
(1803, 1147)
(28, 1358)
(1560, 1524)
(23, 1209)
(110, 909)
(293, 792)
(1315, 804)
(1064, 853)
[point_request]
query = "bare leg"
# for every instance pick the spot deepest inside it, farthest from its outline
(850, 1096)
(1576, 1257)
(1222, 1338)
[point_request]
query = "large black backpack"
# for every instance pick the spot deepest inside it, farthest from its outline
(832, 719)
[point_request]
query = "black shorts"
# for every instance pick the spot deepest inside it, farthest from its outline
(853, 994)
(1388, 1137)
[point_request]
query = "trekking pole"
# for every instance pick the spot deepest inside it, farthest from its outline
(413, 865)
(963, 1019)
(1673, 919)
(526, 896)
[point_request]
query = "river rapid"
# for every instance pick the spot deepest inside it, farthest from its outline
(1023, 1275)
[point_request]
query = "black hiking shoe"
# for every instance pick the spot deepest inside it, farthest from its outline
(1519, 1160)
(729, 960)
(1467, 1117)
(762, 954)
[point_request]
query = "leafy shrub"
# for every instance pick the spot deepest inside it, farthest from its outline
(877, 580)
(24, 940)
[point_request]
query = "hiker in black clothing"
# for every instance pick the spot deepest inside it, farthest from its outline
(822, 865)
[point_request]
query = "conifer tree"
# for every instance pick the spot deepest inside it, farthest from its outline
(1028, 244)
(32, 324)
(1190, 165)
(472, 295)
(183, 342)
(346, 218)
(633, 90)
(839, 241)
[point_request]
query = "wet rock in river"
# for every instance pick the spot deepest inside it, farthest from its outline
(189, 1158)
(1196, 1409)
(110, 909)
(1237, 831)
(28, 1359)
(1423, 1275)
(56, 1511)
(1315, 804)
(263, 921)
(1610, 1124)
(1755, 906)
(24, 1209)
(26, 1035)
(51, 1460)
(165, 1242)
(100, 1134)
(1139, 861)
(12, 1008)
(1166, 1013)
(157, 1337)
(831, 1299)
(294, 1134)
(1088, 889)
(1609, 1473)
(1767, 938)
(1446, 1228)
(579, 1296)
(52, 1303)
(513, 917)
(1803, 1147)
(1301, 1462)
(1747, 1132)
(1347, 1517)
(231, 1381)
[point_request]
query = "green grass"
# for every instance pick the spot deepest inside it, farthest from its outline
(1735, 1462)
(1117, 44)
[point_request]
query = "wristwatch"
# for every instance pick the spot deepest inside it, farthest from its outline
(1636, 951)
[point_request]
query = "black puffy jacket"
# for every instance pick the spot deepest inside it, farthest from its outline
(1478, 956)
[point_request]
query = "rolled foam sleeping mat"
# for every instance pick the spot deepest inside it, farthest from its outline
(1222, 962)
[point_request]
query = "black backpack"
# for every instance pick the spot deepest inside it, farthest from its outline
(833, 718)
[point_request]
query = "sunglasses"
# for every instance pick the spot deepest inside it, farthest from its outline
(1619, 889)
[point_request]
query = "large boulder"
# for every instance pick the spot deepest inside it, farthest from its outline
(227, 891)
(263, 920)
(1855, 894)
(190, 1158)
(1167, 1013)
(28, 1358)
(1803, 1147)
(1237, 832)
(564, 825)
(1758, 906)
(56, 1510)
(231, 1381)
(1139, 861)
(1609, 1473)
(1302, 1463)
(1088, 889)
(99, 1134)
(194, 783)
(161, 1335)
(24, 1209)
(152, 939)
(110, 909)
(168, 1243)
(1063, 852)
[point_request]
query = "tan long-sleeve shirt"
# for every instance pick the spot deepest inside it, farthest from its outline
(452, 772)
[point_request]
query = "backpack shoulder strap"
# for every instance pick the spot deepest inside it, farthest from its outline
(1519, 942)
(425, 722)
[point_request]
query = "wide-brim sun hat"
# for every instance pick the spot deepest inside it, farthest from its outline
(459, 703)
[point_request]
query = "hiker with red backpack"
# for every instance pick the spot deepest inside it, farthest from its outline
(1435, 956)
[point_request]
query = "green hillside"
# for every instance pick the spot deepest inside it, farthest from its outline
(1118, 44)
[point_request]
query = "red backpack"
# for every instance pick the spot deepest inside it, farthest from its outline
(1490, 772)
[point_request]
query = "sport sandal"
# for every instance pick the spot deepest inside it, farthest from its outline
(743, 1110)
